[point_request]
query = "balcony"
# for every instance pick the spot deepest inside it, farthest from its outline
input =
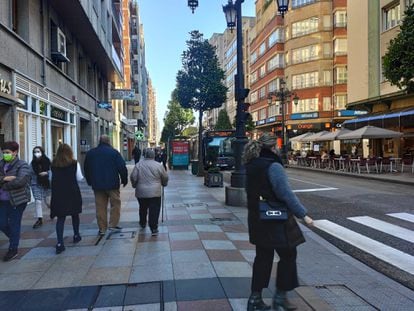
(116, 22)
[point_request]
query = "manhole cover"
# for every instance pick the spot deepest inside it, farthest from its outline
(121, 235)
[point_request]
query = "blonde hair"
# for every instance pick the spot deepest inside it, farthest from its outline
(252, 148)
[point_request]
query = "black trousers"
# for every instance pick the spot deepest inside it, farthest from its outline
(287, 275)
(60, 225)
(152, 206)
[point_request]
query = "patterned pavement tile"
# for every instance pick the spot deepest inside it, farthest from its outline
(225, 255)
(217, 244)
(237, 236)
(100, 276)
(147, 237)
(200, 216)
(232, 269)
(184, 228)
(178, 217)
(208, 228)
(182, 236)
(234, 228)
(193, 270)
(204, 305)
(186, 245)
(212, 236)
(185, 256)
(151, 272)
(244, 245)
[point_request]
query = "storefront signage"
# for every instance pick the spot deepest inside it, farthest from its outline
(5, 86)
(180, 153)
(58, 114)
(131, 122)
(350, 113)
(261, 122)
(307, 126)
(123, 94)
(299, 116)
(105, 105)
(271, 119)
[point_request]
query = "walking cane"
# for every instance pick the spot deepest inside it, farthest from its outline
(162, 205)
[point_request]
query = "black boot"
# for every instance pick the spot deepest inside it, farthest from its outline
(281, 303)
(256, 303)
(38, 223)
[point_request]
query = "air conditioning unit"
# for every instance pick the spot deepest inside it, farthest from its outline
(59, 45)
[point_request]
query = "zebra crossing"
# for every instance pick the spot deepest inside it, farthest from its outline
(380, 250)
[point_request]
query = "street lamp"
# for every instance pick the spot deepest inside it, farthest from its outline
(233, 12)
(282, 95)
(282, 6)
(193, 4)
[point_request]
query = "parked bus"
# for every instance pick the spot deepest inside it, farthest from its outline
(217, 149)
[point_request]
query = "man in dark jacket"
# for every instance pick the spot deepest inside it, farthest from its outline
(136, 153)
(103, 167)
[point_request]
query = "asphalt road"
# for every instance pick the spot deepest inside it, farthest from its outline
(336, 200)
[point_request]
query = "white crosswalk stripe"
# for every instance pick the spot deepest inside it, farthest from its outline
(386, 227)
(380, 250)
(403, 216)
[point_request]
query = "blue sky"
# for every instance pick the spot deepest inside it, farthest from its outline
(167, 24)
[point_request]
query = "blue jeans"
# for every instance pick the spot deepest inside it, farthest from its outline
(10, 222)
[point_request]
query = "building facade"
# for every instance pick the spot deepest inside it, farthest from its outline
(308, 50)
(371, 26)
(60, 69)
(152, 116)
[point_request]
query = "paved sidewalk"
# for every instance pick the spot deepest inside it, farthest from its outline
(201, 260)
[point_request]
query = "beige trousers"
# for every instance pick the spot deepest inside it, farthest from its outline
(101, 202)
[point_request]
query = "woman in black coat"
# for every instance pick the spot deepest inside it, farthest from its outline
(66, 197)
(267, 179)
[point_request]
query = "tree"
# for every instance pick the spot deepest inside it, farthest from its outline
(398, 62)
(176, 119)
(223, 121)
(190, 131)
(200, 81)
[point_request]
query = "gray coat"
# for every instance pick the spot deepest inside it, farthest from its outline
(147, 178)
(19, 188)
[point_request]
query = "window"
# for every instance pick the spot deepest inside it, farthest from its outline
(391, 17)
(305, 54)
(20, 17)
(262, 114)
(341, 46)
(305, 27)
(276, 36)
(327, 104)
(273, 85)
(340, 102)
(254, 115)
(327, 50)
(253, 97)
(327, 80)
(305, 80)
(287, 58)
(262, 71)
(275, 62)
(327, 22)
(306, 105)
(253, 77)
(253, 57)
(262, 92)
(341, 75)
(274, 110)
(340, 19)
(299, 3)
(262, 48)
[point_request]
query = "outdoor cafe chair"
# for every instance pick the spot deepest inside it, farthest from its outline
(407, 162)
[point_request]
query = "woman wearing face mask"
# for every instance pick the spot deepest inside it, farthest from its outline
(14, 195)
(40, 182)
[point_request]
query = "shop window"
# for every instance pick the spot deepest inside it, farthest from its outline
(34, 105)
(43, 108)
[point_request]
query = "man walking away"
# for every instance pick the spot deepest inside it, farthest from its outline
(103, 167)
(136, 153)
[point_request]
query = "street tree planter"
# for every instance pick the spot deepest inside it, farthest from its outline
(213, 178)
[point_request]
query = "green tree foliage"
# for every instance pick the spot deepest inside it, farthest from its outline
(250, 125)
(176, 119)
(223, 121)
(398, 62)
(190, 131)
(200, 81)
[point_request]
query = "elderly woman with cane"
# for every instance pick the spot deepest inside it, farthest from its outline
(148, 178)
(272, 227)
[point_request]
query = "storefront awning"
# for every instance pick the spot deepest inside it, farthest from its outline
(10, 100)
(382, 116)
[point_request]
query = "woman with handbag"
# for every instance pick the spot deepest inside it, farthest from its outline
(40, 183)
(267, 185)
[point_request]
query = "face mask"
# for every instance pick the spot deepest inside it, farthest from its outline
(7, 157)
(37, 154)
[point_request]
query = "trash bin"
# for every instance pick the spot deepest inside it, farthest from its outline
(194, 167)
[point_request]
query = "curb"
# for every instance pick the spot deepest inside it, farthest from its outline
(370, 177)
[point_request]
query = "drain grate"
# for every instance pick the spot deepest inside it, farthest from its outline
(121, 235)
(341, 297)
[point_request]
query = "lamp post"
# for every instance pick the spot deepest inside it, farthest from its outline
(282, 95)
(233, 13)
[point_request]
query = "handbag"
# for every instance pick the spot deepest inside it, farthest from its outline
(272, 210)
